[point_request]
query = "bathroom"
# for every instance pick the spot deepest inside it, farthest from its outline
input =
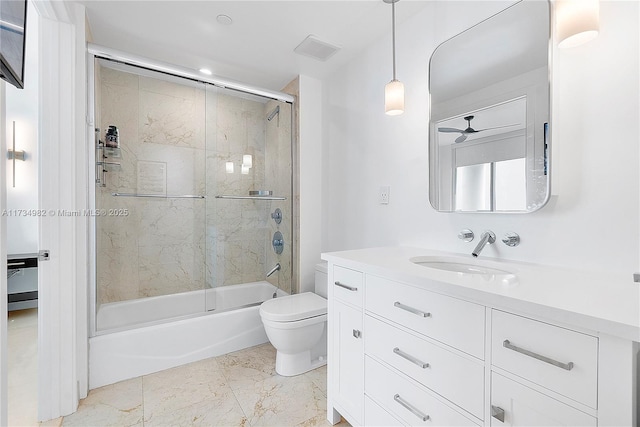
(349, 149)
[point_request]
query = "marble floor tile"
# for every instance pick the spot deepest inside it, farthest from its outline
(221, 411)
(281, 401)
(246, 367)
(237, 389)
(117, 404)
(319, 378)
(170, 392)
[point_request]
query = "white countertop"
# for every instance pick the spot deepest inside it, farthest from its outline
(606, 303)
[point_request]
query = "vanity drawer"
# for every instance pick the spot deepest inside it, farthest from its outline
(457, 323)
(452, 376)
(408, 402)
(375, 416)
(348, 285)
(559, 359)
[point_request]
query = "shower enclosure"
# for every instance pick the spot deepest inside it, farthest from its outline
(193, 195)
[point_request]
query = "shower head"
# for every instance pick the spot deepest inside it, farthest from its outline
(273, 113)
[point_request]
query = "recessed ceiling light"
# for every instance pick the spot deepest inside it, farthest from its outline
(206, 71)
(224, 20)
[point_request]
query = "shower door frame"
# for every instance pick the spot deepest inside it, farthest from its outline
(95, 52)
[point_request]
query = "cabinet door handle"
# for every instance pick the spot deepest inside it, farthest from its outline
(411, 408)
(357, 333)
(410, 358)
(565, 366)
(342, 285)
(411, 309)
(497, 413)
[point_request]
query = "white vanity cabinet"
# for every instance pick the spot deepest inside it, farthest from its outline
(405, 352)
(346, 344)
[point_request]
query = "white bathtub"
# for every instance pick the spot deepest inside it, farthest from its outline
(230, 322)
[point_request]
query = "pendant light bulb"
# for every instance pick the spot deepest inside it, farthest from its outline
(394, 90)
(394, 98)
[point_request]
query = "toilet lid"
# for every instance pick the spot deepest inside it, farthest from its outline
(293, 307)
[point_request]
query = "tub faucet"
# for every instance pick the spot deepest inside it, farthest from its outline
(487, 238)
(274, 269)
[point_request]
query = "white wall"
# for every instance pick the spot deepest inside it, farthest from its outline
(593, 219)
(22, 107)
(310, 156)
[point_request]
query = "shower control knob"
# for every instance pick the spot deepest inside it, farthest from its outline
(511, 239)
(466, 235)
(277, 242)
(277, 216)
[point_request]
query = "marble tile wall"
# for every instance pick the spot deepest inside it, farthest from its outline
(158, 248)
(166, 246)
(237, 230)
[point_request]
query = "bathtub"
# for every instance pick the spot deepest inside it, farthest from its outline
(203, 324)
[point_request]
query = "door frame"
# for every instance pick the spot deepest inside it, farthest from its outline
(63, 280)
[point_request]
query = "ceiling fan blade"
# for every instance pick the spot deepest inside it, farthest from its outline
(498, 127)
(450, 130)
(461, 138)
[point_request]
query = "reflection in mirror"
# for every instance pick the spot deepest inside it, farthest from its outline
(489, 89)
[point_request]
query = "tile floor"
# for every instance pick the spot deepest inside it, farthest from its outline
(22, 364)
(237, 389)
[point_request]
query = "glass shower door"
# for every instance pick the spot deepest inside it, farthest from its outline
(151, 228)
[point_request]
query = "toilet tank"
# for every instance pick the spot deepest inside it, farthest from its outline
(321, 279)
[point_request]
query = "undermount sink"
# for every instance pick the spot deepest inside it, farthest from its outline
(460, 265)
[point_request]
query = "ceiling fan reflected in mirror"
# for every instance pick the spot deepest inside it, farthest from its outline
(469, 130)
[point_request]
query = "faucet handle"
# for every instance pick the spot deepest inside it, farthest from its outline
(466, 235)
(511, 239)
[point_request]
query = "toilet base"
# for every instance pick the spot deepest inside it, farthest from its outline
(289, 365)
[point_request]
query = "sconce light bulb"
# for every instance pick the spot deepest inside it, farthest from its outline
(577, 22)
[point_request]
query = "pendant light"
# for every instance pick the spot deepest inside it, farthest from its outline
(394, 90)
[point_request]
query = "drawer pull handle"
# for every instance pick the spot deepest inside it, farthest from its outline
(357, 333)
(342, 285)
(497, 413)
(411, 408)
(411, 309)
(565, 366)
(410, 358)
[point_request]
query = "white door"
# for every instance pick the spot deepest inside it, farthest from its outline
(349, 352)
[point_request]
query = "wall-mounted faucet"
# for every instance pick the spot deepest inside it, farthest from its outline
(487, 238)
(274, 269)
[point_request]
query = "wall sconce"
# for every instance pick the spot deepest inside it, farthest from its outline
(577, 21)
(229, 167)
(15, 155)
(394, 90)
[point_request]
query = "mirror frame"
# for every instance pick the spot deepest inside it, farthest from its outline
(544, 142)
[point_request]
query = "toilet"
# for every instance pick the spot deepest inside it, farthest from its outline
(296, 325)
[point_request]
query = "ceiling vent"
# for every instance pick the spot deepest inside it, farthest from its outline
(315, 48)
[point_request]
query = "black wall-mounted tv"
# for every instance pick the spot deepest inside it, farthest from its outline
(13, 25)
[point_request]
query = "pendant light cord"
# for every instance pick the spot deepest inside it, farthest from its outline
(393, 36)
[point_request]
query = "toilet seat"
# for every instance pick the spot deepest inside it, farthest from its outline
(293, 308)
